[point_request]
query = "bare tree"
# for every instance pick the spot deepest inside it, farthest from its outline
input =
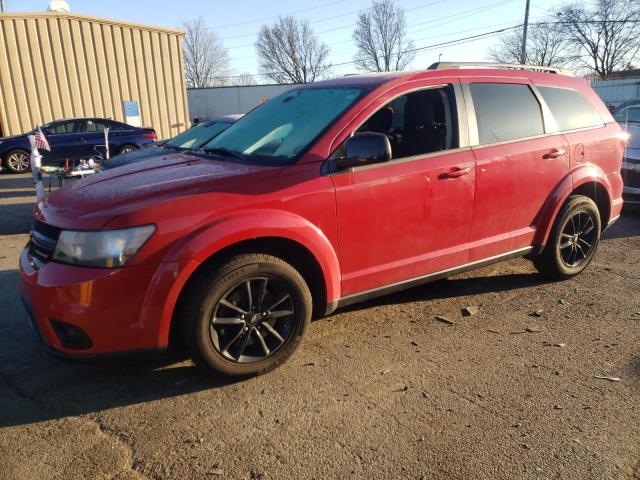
(381, 38)
(608, 34)
(206, 61)
(547, 45)
(289, 51)
(245, 80)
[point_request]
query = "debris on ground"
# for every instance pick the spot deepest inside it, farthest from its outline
(533, 329)
(611, 379)
(424, 394)
(493, 331)
(414, 343)
(309, 364)
(216, 471)
(402, 389)
(470, 310)
(562, 301)
(536, 313)
(385, 371)
(443, 319)
(551, 344)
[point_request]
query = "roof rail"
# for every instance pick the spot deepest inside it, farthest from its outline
(508, 66)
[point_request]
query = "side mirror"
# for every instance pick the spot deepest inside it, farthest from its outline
(364, 149)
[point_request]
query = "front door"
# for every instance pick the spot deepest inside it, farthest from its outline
(410, 216)
(65, 141)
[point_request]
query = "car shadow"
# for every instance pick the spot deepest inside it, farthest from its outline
(627, 226)
(35, 386)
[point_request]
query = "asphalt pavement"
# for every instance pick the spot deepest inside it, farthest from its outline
(543, 382)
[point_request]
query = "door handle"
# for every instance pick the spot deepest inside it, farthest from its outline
(456, 173)
(555, 153)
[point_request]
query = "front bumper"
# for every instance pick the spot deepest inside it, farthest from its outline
(631, 177)
(119, 310)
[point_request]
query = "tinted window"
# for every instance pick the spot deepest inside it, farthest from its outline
(281, 129)
(118, 126)
(95, 126)
(630, 114)
(505, 112)
(417, 123)
(570, 109)
(62, 127)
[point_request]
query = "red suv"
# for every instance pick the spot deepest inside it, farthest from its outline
(331, 193)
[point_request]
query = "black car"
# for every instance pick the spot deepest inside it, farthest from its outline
(73, 139)
(191, 139)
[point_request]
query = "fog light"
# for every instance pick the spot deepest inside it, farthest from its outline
(70, 336)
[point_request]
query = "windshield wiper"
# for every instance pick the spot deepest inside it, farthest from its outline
(221, 151)
(172, 147)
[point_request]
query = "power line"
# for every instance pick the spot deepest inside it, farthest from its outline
(250, 22)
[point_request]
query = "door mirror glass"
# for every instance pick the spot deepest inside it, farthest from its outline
(364, 149)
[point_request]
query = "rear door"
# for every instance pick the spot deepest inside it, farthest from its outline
(93, 136)
(410, 216)
(518, 165)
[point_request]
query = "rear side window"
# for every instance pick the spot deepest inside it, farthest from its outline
(570, 109)
(505, 112)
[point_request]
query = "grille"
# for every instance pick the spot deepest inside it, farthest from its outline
(631, 178)
(43, 241)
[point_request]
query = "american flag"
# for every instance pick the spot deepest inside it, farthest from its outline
(41, 141)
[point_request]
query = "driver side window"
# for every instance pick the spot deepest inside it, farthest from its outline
(417, 123)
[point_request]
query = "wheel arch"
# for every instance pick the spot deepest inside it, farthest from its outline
(285, 236)
(589, 181)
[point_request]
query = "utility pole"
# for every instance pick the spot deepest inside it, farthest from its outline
(523, 53)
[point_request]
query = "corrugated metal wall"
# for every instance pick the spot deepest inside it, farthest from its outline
(56, 66)
(616, 92)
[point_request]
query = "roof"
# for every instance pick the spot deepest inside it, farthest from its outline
(377, 79)
(88, 19)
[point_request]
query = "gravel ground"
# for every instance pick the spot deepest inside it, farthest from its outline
(379, 390)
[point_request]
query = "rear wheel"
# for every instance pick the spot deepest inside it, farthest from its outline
(127, 149)
(17, 161)
(247, 316)
(573, 241)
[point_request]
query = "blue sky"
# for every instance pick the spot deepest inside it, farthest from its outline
(429, 22)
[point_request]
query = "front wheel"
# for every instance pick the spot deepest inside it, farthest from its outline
(247, 316)
(573, 241)
(17, 161)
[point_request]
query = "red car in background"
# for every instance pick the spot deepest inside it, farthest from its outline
(331, 193)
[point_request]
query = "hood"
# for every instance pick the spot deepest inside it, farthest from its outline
(13, 137)
(135, 156)
(91, 202)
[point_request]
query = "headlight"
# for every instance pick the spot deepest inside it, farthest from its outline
(105, 249)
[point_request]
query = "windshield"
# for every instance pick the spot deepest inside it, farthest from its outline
(196, 136)
(285, 126)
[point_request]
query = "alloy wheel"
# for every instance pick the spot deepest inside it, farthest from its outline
(577, 239)
(252, 320)
(18, 161)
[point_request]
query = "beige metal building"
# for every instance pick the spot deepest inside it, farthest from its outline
(61, 65)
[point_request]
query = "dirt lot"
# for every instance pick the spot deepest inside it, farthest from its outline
(381, 390)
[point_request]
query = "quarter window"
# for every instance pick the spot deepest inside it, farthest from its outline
(570, 109)
(63, 127)
(505, 112)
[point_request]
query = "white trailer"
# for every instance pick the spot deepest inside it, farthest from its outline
(615, 92)
(207, 103)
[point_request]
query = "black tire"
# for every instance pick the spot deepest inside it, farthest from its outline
(127, 149)
(566, 253)
(15, 159)
(235, 349)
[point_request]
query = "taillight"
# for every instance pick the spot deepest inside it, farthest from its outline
(150, 135)
(624, 136)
